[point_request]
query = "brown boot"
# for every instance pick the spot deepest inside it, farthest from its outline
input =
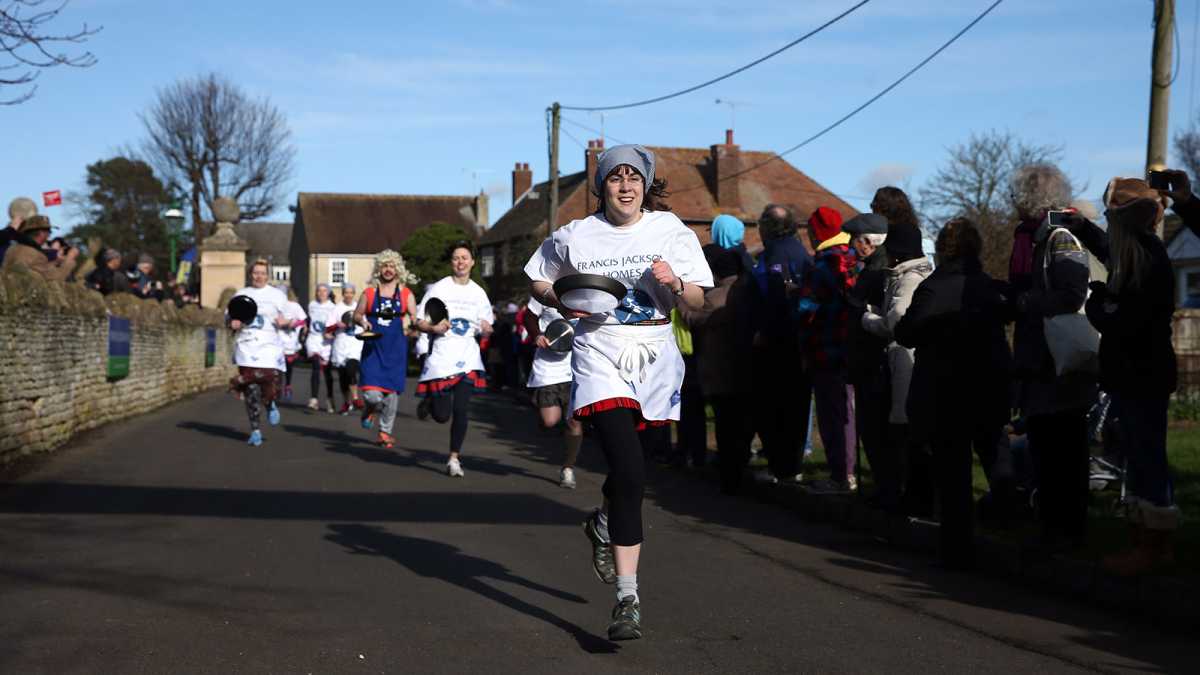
(1152, 551)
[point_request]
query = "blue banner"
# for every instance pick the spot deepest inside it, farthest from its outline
(210, 347)
(120, 340)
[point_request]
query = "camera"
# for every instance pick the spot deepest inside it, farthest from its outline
(1159, 180)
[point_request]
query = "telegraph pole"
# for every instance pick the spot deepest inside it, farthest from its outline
(1160, 84)
(552, 216)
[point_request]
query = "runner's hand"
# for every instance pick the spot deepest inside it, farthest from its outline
(441, 327)
(485, 328)
(234, 324)
(281, 322)
(663, 273)
(542, 342)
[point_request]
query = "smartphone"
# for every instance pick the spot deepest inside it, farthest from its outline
(1159, 180)
(1059, 218)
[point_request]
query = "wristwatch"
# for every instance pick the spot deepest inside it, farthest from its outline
(680, 291)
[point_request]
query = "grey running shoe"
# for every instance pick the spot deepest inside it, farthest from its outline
(566, 478)
(627, 620)
(602, 554)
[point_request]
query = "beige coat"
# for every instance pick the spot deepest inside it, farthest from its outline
(23, 254)
(903, 280)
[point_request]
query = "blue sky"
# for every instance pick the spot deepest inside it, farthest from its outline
(444, 97)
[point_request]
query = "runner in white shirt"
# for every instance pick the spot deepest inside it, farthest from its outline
(550, 383)
(347, 351)
(319, 345)
(291, 337)
(454, 367)
(258, 350)
(627, 367)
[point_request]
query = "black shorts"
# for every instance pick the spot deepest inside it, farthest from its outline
(553, 396)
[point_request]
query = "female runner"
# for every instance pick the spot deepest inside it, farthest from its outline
(454, 367)
(291, 336)
(258, 350)
(550, 384)
(627, 367)
(319, 345)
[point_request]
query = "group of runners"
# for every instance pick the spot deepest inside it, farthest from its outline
(622, 376)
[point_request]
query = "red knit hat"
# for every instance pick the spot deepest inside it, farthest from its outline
(825, 223)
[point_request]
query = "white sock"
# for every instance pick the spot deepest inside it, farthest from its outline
(627, 586)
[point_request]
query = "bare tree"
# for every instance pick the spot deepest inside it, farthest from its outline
(206, 134)
(974, 183)
(29, 48)
(1187, 147)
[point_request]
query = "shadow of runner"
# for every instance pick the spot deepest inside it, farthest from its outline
(217, 430)
(442, 561)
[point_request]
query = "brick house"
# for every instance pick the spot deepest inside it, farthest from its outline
(703, 183)
(335, 236)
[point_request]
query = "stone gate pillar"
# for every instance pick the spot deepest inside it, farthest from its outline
(222, 255)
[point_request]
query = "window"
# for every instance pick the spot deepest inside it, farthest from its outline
(488, 260)
(281, 272)
(337, 271)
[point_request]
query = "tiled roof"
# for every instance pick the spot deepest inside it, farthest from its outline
(528, 214)
(267, 240)
(690, 181)
(361, 223)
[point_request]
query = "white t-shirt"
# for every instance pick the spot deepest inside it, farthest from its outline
(258, 343)
(456, 351)
(549, 367)
(320, 315)
(291, 336)
(346, 347)
(613, 357)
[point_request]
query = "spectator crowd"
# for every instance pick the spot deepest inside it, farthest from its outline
(26, 241)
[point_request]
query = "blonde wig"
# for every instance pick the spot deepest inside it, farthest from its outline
(386, 256)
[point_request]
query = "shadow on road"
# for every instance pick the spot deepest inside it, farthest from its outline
(218, 430)
(451, 507)
(442, 561)
(343, 443)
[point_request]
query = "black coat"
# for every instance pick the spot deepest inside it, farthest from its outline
(962, 363)
(1136, 354)
(866, 352)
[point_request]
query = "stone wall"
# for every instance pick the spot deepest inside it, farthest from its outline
(53, 356)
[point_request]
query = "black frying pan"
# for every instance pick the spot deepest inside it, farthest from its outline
(243, 308)
(591, 293)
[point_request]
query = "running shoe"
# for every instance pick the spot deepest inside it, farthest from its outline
(255, 438)
(566, 478)
(626, 620)
(273, 414)
(345, 409)
(603, 562)
(358, 404)
(368, 422)
(454, 468)
(765, 476)
(287, 393)
(852, 483)
(314, 404)
(423, 408)
(386, 441)
(330, 409)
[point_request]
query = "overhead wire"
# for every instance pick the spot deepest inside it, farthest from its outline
(726, 76)
(862, 107)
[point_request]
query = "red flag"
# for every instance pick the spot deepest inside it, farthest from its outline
(52, 198)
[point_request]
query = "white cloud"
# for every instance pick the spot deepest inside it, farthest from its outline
(886, 174)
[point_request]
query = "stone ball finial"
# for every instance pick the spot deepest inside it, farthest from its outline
(225, 210)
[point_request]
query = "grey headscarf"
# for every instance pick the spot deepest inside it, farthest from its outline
(641, 159)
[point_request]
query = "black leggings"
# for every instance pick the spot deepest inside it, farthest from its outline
(454, 405)
(291, 365)
(315, 382)
(626, 481)
(347, 375)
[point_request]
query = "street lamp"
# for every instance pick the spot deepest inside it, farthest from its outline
(174, 219)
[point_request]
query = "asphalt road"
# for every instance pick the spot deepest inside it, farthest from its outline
(165, 544)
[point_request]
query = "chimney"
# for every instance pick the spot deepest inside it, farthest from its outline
(590, 160)
(522, 180)
(481, 212)
(727, 162)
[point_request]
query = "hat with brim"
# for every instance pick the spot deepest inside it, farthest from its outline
(35, 223)
(1132, 203)
(865, 223)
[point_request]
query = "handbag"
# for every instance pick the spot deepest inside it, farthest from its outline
(1074, 344)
